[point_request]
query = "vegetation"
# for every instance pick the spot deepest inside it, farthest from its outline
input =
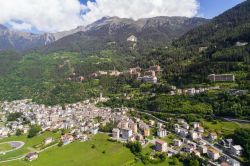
(34, 130)
(81, 154)
(241, 137)
(14, 116)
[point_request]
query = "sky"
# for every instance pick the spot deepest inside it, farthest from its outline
(40, 16)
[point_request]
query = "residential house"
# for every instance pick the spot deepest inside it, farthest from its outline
(126, 133)
(213, 154)
(31, 156)
(177, 142)
(212, 136)
(115, 133)
(48, 140)
(237, 150)
(161, 146)
(161, 132)
(202, 149)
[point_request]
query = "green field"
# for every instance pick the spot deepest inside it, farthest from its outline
(29, 144)
(80, 154)
(224, 128)
(5, 147)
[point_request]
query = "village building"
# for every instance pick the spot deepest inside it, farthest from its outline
(202, 149)
(156, 68)
(126, 133)
(213, 154)
(116, 133)
(177, 142)
(48, 140)
(237, 150)
(161, 133)
(132, 38)
(212, 136)
(67, 139)
(31, 156)
(161, 146)
(221, 77)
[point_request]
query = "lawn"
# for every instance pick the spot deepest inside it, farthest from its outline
(105, 153)
(225, 128)
(5, 147)
(29, 144)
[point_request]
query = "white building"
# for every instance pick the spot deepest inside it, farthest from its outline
(161, 133)
(115, 133)
(177, 142)
(237, 150)
(213, 154)
(161, 146)
(126, 133)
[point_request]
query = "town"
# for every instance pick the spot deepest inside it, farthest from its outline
(84, 119)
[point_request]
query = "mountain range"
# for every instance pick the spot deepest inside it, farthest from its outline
(157, 31)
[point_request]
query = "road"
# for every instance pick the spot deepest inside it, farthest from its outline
(208, 143)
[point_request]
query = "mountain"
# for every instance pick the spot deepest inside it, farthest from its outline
(115, 32)
(224, 30)
(20, 41)
(220, 46)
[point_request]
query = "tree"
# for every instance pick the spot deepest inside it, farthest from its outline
(176, 161)
(194, 163)
(18, 132)
(135, 147)
(34, 130)
(14, 116)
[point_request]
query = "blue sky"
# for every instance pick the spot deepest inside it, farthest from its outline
(212, 8)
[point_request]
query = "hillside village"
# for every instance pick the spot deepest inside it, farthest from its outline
(84, 119)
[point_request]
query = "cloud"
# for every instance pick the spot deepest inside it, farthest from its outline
(45, 15)
(20, 26)
(60, 15)
(140, 8)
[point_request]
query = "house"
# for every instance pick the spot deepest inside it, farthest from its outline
(94, 130)
(213, 154)
(190, 91)
(161, 132)
(148, 79)
(185, 126)
(146, 131)
(212, 136)
(237, 150)
(126, 133)
(161, 146)
(83, 138)
(133, 127)
(194, 135)
(31, 156)
(221, 77)
(67, 138)
(177, 142)
(156, 68)
(196, 125)
(181, 121)
(115, 133)
(183, 132)
(200, 129)
(132, 38)
(48, 140)
(152, 122)
(202, 149)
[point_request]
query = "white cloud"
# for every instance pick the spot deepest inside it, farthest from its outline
(140, 8)
(20, 26)
(59, 15)
(45, 15)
